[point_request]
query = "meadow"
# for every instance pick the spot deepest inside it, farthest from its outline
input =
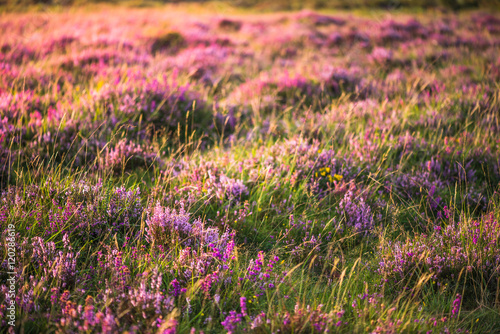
(179, 169)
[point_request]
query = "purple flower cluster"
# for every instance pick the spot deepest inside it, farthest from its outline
(261, 275)
(161, 222)
(456, 305)
(307, 318)
(462, 246)
(356, 212)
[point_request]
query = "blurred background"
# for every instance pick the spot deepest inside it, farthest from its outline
(278, 5)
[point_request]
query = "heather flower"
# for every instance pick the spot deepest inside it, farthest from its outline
(456, 305)
(168, 225)
(356, 212)
(243, 305)
(464, 245)
(231, 322)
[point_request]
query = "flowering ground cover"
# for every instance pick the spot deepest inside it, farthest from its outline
(166, 170)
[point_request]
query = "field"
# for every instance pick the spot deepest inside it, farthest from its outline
(191, 168)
